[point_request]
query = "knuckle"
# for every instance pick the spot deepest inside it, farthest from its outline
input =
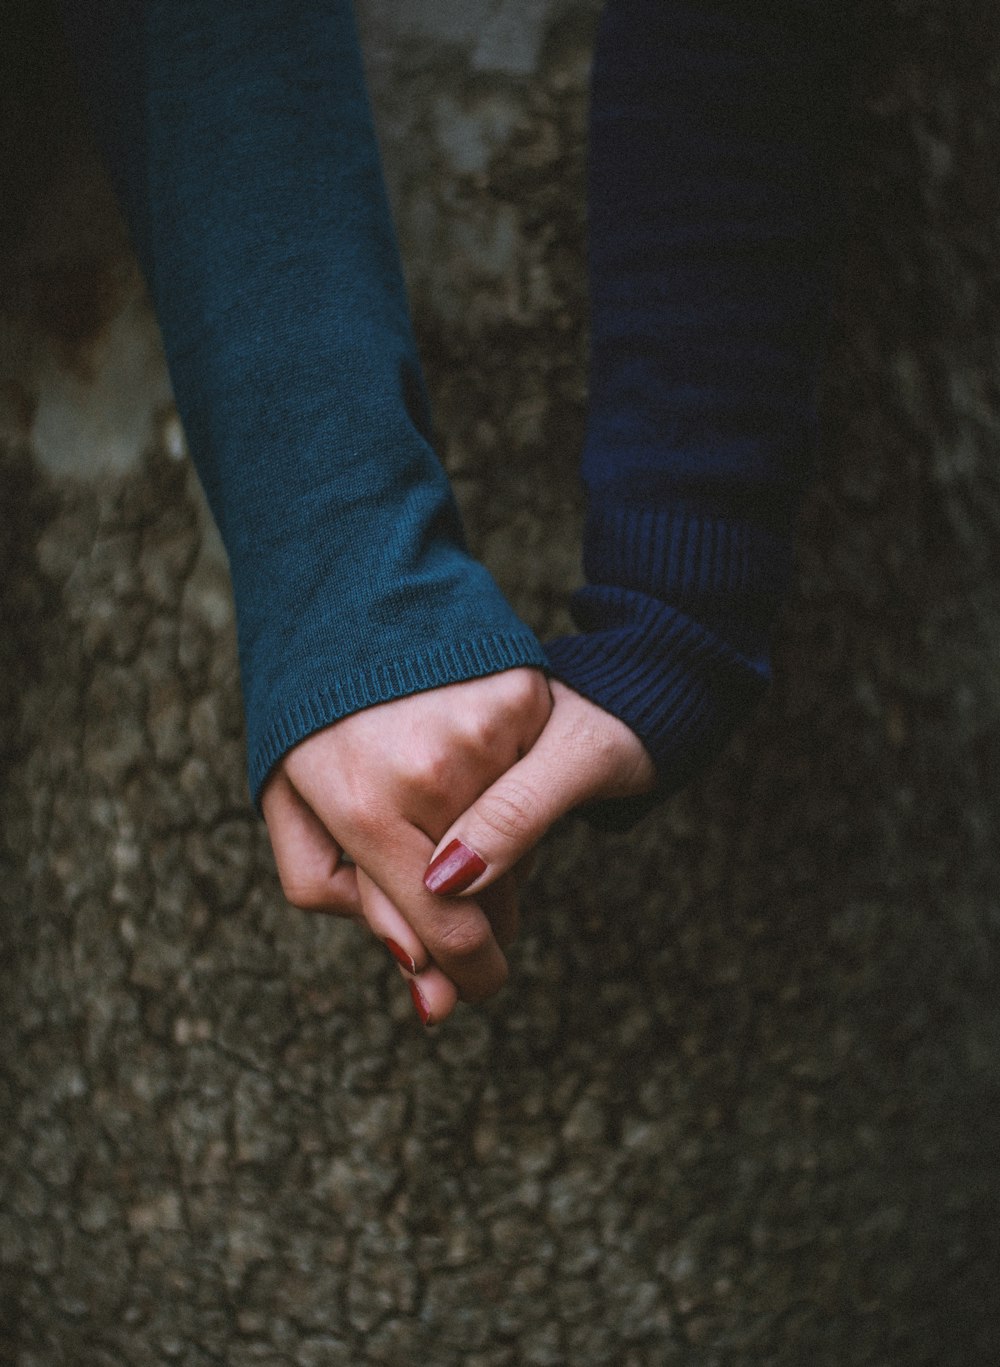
(611, 747)
(364, 818)
(464, 939)
(481, 734)
(524, 690)
(431, 774)
(512, 814)
(306, 896)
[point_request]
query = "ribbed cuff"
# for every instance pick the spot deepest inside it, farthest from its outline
(680, 688)
(678, 648)
(728, 574)
(323, 704)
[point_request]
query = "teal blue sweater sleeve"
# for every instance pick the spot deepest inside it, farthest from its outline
(241, 143)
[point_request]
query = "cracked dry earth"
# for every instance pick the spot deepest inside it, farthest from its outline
(739, 1103)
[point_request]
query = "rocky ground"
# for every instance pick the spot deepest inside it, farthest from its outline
(739, 1103)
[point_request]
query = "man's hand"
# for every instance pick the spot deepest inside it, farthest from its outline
(381, 787)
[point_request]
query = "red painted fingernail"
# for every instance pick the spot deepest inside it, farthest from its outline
(400, 955)
(453, 870)
(423, 1010)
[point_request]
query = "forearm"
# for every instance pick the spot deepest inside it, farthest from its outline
(242, 146)
(712, 207)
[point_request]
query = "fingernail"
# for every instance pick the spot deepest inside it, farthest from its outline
(454, 869)
(423, 1010)
(400, 955)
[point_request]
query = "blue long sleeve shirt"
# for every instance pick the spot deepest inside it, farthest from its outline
(241, 143)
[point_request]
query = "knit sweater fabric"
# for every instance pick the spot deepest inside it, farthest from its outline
(241, 143)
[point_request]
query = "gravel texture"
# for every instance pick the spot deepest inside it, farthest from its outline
(741, 1100)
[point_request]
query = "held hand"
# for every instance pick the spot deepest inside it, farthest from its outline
(381, 786)
(583, 753)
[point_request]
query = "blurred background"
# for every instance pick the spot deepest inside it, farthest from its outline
(740, 1102)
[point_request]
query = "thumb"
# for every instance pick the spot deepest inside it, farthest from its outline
(583, 752)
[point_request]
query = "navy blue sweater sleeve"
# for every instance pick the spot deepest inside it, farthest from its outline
(240, 139)
(715, 127)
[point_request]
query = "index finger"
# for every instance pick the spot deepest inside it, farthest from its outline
(455, 932)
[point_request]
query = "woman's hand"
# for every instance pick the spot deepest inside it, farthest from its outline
(381, 787)
(582, 754)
